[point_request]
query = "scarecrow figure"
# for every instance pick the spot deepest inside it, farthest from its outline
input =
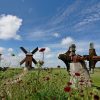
(76, 66)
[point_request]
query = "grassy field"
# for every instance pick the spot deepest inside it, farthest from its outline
(51, 84)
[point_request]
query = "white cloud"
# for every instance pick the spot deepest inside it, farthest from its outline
(48, 53)
(48, 50)
(49, 56)
(37, 34)
(64, 13)
(9, 61)
(67, 41)
(10, 50)
(56, 35)
(89, 15)
(44, 34)
(90, 9)
(9, 26)
(2, 49)
(21, 54)
(89, 19)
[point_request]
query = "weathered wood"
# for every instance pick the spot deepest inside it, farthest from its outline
(29, 58)
(83, 74)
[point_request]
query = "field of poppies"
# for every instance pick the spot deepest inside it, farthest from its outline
(46, 84)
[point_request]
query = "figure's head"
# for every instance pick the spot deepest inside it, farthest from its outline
(72, 48)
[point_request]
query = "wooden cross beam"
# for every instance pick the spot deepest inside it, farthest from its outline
(29, 57)
(70, 56)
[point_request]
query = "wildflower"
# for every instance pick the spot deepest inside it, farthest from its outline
(20, 81)
(2, 97)
(4, 84)
(28, 83)
(96, 97)
(47, 78)
(67, 89)
(82, 95)
(69, 83)
(91, 93)
(26, 97)
(81, 81)
(82, 77)
(77, 74)
(34, 90)
(42, 50)
(81, 91)
(8, 80)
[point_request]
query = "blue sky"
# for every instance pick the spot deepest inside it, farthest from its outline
(53, 24)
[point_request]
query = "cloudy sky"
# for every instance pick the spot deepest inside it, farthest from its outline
(53, 24)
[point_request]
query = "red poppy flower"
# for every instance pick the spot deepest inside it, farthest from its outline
(69, 83)
(91, 93)
(67, 89)
(96, 97)
(77, 74)
(46, 78)
(42, 50)
(81, 81)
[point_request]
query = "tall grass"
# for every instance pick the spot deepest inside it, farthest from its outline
(49, 84)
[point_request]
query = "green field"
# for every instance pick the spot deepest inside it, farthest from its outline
(44, 85)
